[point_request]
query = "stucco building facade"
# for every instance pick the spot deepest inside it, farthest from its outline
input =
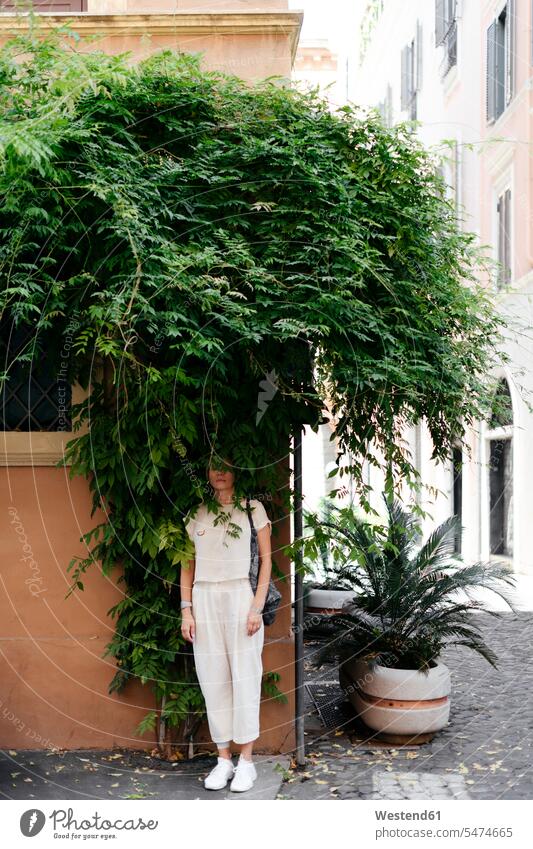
(462, 70)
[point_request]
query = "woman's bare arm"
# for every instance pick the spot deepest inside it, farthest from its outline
(187, 580)
(187, 613)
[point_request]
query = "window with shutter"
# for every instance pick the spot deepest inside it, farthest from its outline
(404, 95)
(490, 77)
(500, 65)
(418, 43)
(500, 79)
(510, 28)
(507, 236)
(43, 6)
(412, 81)
(446, 32)
(451, 46)
(440, 21)
(411, 71)
(445, 16)
(503, 209)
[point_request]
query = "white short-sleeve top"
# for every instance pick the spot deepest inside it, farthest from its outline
(219, 556)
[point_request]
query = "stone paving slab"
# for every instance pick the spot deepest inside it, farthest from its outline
(125, 774)
(418, 785)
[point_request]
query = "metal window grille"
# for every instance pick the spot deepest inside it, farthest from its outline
(445, 16)
(34, 396)
(446, 32)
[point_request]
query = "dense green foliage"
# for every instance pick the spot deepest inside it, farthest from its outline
(211, 240)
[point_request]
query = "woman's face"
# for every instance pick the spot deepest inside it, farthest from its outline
(220, 475)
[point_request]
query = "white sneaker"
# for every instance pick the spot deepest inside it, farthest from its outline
(219, 775)
(245, 775)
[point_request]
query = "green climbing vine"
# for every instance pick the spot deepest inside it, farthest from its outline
(235, 256)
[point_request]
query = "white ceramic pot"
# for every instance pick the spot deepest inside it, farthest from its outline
(328, 601)
(398, 701)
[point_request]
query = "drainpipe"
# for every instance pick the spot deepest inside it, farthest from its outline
(481, 490)
(298, 604)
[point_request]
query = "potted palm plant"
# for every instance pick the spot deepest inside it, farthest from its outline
(411, 599)
(325, 592)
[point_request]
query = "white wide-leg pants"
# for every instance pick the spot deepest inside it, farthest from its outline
(228, 661)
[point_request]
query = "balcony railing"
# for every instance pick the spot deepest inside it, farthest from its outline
(450, 49)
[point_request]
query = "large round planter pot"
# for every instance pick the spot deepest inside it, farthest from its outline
(328, 601)
(398, 701)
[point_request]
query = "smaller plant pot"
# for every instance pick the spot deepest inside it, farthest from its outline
(398, 701)
(328, 601)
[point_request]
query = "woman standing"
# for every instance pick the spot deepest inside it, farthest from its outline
(223, 619)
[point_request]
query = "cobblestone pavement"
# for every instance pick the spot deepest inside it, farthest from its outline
(125, 774)
(485, 752)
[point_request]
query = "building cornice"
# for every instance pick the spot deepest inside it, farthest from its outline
(180, 23)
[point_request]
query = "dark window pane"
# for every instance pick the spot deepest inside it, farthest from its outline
(501, 481)
(34, 397)
(457, 494)
(502, 413)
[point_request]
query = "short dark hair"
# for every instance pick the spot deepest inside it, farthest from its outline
(226, 459)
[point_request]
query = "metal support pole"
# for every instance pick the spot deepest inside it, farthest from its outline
(298, 604)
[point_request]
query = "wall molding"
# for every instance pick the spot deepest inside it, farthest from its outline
(180, 23)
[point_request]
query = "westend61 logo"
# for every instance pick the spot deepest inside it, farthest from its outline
(33, 820)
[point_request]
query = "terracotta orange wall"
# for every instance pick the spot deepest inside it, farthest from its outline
(54, 677)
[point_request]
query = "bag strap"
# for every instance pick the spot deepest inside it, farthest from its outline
(249, 513)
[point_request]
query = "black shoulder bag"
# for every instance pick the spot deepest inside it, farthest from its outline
(273, 596)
